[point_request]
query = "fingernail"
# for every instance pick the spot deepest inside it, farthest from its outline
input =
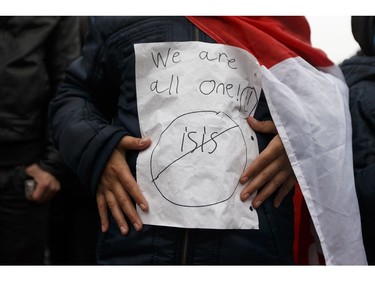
(143, 207)
(257, 203)
(103, 228)
(143, 140)
(244, 179)
(123, 230)
(252, 119)
(137, 227)
(245, 196)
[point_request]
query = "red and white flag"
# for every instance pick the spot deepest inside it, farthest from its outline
(308, 101)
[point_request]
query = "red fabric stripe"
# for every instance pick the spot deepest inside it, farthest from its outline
(270, 39)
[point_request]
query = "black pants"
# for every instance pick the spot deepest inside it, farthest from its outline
(73, 226)
(23, 224)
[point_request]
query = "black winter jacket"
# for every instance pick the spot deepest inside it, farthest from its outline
(34, 54)
(96, 107)
(359, 73)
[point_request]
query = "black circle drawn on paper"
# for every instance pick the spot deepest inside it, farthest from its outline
(199, 136)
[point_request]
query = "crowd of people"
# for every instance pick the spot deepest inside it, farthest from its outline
(77, 161)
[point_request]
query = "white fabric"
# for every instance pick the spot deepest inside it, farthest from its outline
(311, 113)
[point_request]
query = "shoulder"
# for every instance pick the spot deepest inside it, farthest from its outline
(107, 26)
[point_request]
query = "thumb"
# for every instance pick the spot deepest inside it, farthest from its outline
(132, 143)
(261, 126)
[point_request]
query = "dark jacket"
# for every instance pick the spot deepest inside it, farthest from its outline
(34, 54)
(96, 107)
(359, 73)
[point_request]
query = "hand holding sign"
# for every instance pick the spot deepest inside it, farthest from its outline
(271, 170)
(117, 187)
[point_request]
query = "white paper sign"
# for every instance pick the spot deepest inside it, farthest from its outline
(193, 98)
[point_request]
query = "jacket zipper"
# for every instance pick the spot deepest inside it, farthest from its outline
(196, 33)
(185, 246)
(185, 236)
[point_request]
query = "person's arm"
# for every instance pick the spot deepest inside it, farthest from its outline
(93, 147)
(82, 112)
(62, 46)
